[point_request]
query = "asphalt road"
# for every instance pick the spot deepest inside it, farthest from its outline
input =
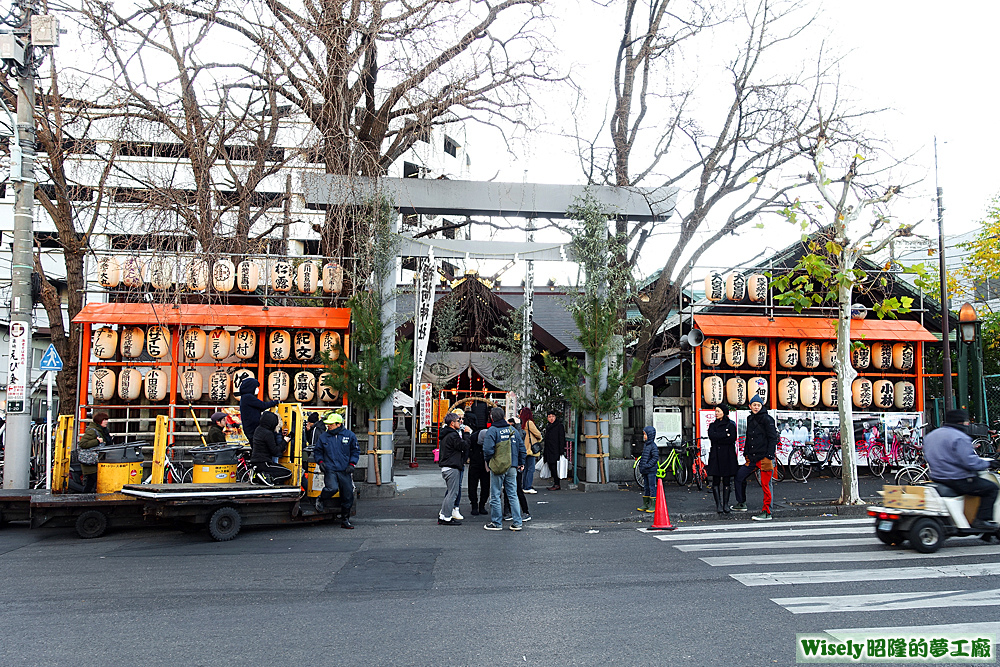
(576, 591)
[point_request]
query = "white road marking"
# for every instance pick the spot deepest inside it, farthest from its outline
(881, 574)
(779, 544)
(773, 524)
(886, 555)
(889, 601)
(964, 629)
(790, 532)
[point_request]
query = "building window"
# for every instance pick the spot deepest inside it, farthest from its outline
(75, 192)
(450, 147)
(411, 170)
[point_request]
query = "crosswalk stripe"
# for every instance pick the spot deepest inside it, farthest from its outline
(790, 532)
(964, 629)
(880, 574)
(773, 524)
(884, 555)
(778, 544)
(889, 601)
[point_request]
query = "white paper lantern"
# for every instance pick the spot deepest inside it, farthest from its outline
(904, 395)
(756, 354)
(327, 394)
(830, 392)
(244, 344)
(715, 287)
(882, 396)
(193, 342)
(809, 392)
(247, 276)
(307, 277)
(132, 273)
(712, 388)
(161, 273)
(132, 339)
(902, 356)
(329, 343)
(711, 352)
(757, 288)
(157, 342)
(862, 392)
(861, 356)
(828, 354)
(223, 275)
(788, 392)
(304, 387)
(239, 375)
(191, 385)
(129, 384)
(281, 277)
(102, 384)
(788, 354)
(757, 386)
(196, 275)
(735, 352)
(279, 345)
(156, 384)
(218, 386)
(105, 343)
(333, 278)
(109, 272)
(219, 344)
(303, 345)
(882, 356)
(736, 391)
(809, 353)
(277, 386)
(736, 286)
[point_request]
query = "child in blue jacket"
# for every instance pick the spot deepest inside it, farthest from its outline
(648, 464)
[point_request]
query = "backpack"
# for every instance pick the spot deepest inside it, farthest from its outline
(501, 461)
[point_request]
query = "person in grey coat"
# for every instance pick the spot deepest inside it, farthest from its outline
(454, 451)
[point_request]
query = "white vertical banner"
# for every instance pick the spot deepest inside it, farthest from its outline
(511, 405)
(426, 275)
(17, 379)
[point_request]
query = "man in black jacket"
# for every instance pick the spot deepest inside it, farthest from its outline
(759, 449)
(216, 435)
(555, 443)
(251, 407)
(454, 450)
(265, 446)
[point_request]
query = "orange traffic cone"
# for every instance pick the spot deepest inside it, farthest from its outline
(661, 518)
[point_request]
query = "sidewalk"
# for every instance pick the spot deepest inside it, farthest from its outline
(420, 491)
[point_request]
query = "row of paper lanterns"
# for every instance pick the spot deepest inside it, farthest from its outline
(129, 384)
(736, 286)
(810, 391)
(300, 345)
(223, 275)
(808, 354)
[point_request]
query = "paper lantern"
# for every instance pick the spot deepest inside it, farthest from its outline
(757, 288)
(105, 343)
(715, 287)
(279, 345)
(830, 392)
(861, 356)
(757, 386)
(809, 353)
(304, 387)
(904, 395)
(239, 375)
(109, 272)
(102, 384)
(333, 278)
(196, 275)
(155, 384)
(788, 392)
(157, 342)
(329, 343)
(809, 392)
(224, 275)
(788, 354)
(736, 286)
(129, 384)
(219, 343)
(304, 345)
(191, 385)
(132, 273)
(277, 386)
(882, 356)
(712, 390)
(736, 391)
(193, 342)
(711, 352)
(757, 354)
(735, 352)
(327, 394)
(218, 386)
(902, 356)
(247, 276)
(244, 344)
(307, 277)
(161, 273)
(281, 277)
(828, 354)
(132, 339)
(861, 392)
(882, 394)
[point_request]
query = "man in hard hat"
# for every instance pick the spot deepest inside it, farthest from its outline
(336, 452)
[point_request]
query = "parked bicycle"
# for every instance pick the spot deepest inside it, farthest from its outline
(900, 450)
(673, 464)
(804, 459)
(698, 472)
(173, 473)
(912, 474)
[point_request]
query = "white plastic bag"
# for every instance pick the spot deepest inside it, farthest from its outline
(543, 470)
(562, 467)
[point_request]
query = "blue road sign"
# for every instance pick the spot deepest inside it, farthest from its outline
(51, 361)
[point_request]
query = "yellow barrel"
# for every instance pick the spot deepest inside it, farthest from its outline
(214, 474)
(313, 480)
(111, 477)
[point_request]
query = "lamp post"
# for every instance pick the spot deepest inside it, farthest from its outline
(970, 358)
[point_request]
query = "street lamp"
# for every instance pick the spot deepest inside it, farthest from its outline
(968, 320)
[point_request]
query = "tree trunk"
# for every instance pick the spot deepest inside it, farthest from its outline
(845, 376)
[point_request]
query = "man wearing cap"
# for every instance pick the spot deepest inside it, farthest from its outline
(454, 450)
(216, 435)
(336, 452)
(309, 431)
(759, 451)
(954, 463)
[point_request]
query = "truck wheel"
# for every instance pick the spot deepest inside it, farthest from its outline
(892, 537)
(91, 524)
(926, 535)
(224, 524)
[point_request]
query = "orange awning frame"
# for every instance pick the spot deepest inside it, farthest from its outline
(758, 326)
(218, 315)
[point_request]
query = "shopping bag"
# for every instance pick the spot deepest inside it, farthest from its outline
(437, 454)
(562, 467)
(543, 470)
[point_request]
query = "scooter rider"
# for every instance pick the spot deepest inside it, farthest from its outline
(954, 463)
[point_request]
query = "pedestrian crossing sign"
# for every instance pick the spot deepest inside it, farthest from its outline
(51, 361)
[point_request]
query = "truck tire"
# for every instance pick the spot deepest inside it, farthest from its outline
(91, 524)
(224, 524)
(926, 535)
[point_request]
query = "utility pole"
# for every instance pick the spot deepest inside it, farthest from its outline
(945, 335)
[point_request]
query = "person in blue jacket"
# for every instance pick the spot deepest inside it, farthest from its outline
(498, 438)
(251, 407)
(336, 452)
(648, 464)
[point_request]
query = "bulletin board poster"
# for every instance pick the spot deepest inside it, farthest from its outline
(668, 424)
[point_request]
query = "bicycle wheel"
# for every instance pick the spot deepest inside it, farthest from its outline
(778, 474)
(682, 474)
(696, 473)
(836, 465)
(638, 475)
(187, 475)
(798, 467)
(911, 475)
(909, 454)
(876, 461)
(984, 447)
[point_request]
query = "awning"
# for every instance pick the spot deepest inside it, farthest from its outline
(215, 315)
(658, 367)
(401, 400)
(758, 326)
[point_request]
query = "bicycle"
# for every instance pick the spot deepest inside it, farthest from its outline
(673, 462)
(912, 474)
(173, 473)
(698, 471)
(987, 445)
(803, 459)
(900, 449)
